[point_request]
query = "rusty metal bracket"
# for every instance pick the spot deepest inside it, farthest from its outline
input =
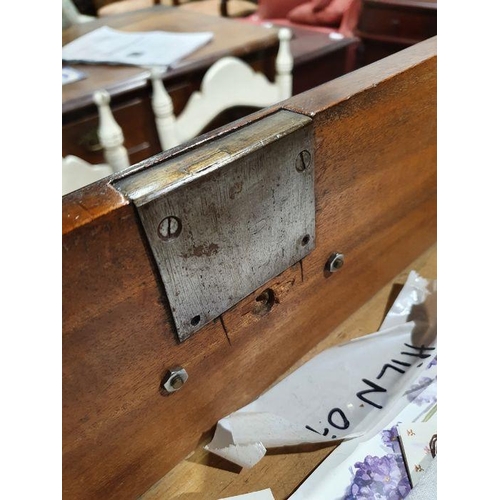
(225, 218)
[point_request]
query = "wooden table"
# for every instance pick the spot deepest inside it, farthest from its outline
(204, 476)
(129, 88)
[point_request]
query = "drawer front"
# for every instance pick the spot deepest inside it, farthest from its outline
(403, 23)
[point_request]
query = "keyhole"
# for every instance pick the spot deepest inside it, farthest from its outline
(265, 301)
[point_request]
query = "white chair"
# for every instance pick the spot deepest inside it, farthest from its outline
(110, 134)
(71, 15)
(228, 83)
(76, 172)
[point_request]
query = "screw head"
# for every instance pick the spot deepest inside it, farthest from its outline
(170, 227)
(174, 379)
(303, 160)
(334, 262)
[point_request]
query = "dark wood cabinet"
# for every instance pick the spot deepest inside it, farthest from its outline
(319, 58)
(388, 26)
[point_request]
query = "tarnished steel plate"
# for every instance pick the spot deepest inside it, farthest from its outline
(225, 218)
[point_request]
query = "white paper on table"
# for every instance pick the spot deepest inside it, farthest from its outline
(256, 495)
(106, 45)
(70, 75)
(344, 392)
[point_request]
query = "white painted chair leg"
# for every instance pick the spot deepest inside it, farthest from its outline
(110, 134)
(163, 110)
(284, 64)
(228, 82)
(71, 15)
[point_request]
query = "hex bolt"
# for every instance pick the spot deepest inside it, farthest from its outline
(170, 227)
(174, 379)
(334, 262)
(303, 160)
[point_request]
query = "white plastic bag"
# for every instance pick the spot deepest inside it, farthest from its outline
(343, 392)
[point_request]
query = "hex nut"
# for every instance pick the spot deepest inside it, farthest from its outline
(174, 379)
(334, 262)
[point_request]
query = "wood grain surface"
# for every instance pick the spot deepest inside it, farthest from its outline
(375, 185)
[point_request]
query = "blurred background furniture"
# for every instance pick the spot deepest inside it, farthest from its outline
(77, 172)
(388, 26)
(323, 44)
(71, 15)
(129, 86)
(323, 48)
(319, 58)
(122, 6)
(326, 16)
(228, 83)
(110, 134)
(224, 8)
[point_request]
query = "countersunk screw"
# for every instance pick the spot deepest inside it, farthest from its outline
(335, 262)
(303, 160)
(170, 227)
(174, 379)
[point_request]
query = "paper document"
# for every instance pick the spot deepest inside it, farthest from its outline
(344, 392)
(154, 48)
(70, 75)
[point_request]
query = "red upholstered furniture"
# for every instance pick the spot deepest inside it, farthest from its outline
(337, 16)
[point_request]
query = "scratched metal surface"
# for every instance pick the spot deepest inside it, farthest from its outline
(232, 228)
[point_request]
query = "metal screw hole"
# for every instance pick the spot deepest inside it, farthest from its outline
(305, 240)
(196, 320)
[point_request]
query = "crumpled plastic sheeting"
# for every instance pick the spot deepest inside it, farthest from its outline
(344, 392)
(256, 495)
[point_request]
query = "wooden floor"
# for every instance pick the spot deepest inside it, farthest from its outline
(204, 476)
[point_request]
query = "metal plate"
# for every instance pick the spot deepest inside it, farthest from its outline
(234, 224)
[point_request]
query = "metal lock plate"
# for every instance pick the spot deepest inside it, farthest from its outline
(225, 218)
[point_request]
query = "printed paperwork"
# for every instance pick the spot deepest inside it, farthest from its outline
(344, 392)
(154, 48)
(70, 75)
